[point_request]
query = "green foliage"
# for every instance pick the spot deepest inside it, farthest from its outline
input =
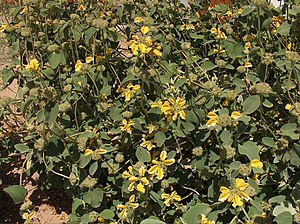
(154, 112)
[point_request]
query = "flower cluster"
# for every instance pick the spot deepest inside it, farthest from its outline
(144, 44)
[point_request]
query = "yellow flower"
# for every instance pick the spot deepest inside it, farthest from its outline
(109, 13)
(248, 64)
(81, 8)
(213, 30)
(145, 30)
(99, 58)
(159, 167)
(236, 115)
(240, 11)
(89, 59)
(229, 13)
(247, 45)
(189, 27)
(170, 198)
(101, 151)
(255, 176)
(151, 128)
(25, 9)
(141, 179)
(134, 49)
(126, 125)
(157, 104)
(129, 91)
(235, 195)
(172, 108)
(138, 19)
(129, 206)
(219, 50)
(78, 66)
(157, 52)
(149, 41)
(3, 27)
(108, 51)
(256, 163)
(134, 37)
(204, 220)
(212, 115)
(147, 144)
(144, 49)
(213, 121)
(288, 107)
(28, 216)
(277, 21)
(33, 65)
(88, 152)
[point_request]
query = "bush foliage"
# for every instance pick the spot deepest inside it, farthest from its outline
(156, 112)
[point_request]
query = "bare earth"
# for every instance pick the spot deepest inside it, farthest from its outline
(50, 206)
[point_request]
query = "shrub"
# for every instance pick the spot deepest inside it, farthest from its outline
(147, 110)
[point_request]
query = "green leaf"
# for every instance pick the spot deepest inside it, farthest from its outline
(251, 104)
(284, 218)
(49, 73)
(160, 138)
(152, 221)
(93, 197)
(16, 192)
(143, 155)
(289, 127)
(233, 49)
(247, 11)
(284, 206)
(84, 161)
(115, 114)
(7, 77)
(107, 214)
(269, 142)
(284, 29)
(54, 60)
(22, 147)
(93, 168)
(51, 112)
(113, 36)
(208, 65)
(226, 137)
(249, 149)
(89, 33)
(180, 82)
(191, 216)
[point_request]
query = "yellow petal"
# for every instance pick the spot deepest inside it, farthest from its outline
(165, 196)
(142, 171)
(182, 115)
(244, 195)
(131, 187)
(145, 30)
(225, 193)
(237, 201)
(101, 151)
(240, 184)
(153, 169)
(78, 66)
(89, 59)
(163, 155)
(140, 187)
(133, 179)
(88, 152)
(256, 163)
(132, 198)
(160, 173)
(169, 162)
(119, 207)
(236, 115)
(212, 122)
(212, 115)
(144, 181)
(126, 175)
